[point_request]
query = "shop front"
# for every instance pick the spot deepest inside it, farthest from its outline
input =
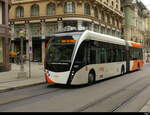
(4, 36)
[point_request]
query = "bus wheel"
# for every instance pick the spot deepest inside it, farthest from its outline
(91, 78)
(122, 70)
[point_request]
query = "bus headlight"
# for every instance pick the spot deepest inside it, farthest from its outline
(72, 73)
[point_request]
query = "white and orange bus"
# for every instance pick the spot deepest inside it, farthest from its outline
(75, 58)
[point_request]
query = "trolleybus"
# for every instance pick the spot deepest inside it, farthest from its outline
(75, 58)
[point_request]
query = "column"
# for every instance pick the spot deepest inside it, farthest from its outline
(60, 26)
(43, 25)
(27, 43)
(12, 37)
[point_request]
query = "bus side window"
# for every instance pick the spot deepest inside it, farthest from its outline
(109, 53)
(92, 56)
(92, 53)
(103, 55)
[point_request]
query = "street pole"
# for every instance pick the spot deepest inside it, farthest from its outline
(29, 66)
(21, 74)
(30, 52)
(21, 67)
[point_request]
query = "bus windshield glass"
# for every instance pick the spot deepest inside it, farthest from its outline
(61, 48)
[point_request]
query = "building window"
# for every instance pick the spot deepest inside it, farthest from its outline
(87, 9)
(35, 29)
(112, 3)
(51, 9)
(70, 25)
(86, 25)
(35, 10)
(51, 28)
(19, 12)
(117, 7)
(69, 7)
(96, 12)
(17, 29)
(1, 50)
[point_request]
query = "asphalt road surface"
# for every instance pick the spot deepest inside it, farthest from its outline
(127, 93)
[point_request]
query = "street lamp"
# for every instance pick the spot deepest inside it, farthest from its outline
(21, 74)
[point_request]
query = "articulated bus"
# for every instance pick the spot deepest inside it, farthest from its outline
(76, 58)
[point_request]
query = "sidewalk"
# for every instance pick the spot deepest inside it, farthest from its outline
(146, 108)
(9, 80)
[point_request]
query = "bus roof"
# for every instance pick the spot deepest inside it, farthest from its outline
(102, 37)
(134, 44)
(68, 33)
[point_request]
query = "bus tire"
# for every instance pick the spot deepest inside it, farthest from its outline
(122, 70)
(91, 77)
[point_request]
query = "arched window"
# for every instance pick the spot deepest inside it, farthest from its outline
(19, 12)
(96, 12)
(87, 9)
(69, 7)
(51, 9)
(35, 10)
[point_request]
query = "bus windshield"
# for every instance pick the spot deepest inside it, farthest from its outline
(61, 48)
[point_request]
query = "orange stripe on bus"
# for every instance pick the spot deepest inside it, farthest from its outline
(48, 79)
(137, 64)
(137, 45)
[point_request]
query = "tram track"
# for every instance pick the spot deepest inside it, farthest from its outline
(22, 98)
(130, 98)
(61, 98)
(101, 101)
(60, 88)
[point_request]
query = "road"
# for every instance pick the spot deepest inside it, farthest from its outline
(127, 93)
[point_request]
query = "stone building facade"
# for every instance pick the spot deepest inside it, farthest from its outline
(42, 18)
(135, 20)
(4, 35)
(147, 33)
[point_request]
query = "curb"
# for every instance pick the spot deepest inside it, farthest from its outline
(146, 107)
(20, 87)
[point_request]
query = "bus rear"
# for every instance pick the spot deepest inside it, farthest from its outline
(59, 55)
(136, 60)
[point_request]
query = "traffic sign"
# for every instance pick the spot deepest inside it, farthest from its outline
(30, 44)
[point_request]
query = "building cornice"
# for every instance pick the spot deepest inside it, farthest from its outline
(94, 3)
(73, 16)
